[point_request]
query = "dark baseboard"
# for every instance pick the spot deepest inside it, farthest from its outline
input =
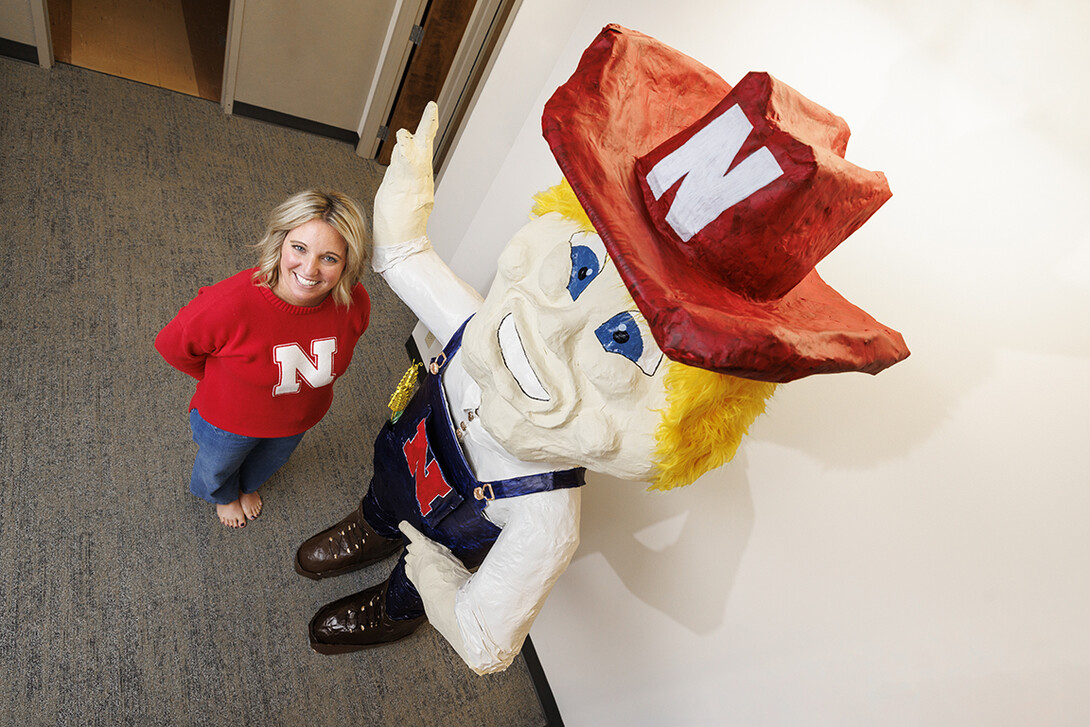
(541, 685)
(18, 51)
(241, 108)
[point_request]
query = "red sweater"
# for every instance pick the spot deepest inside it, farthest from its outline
(264, 368)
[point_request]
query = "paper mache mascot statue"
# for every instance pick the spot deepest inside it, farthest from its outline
(635, 328)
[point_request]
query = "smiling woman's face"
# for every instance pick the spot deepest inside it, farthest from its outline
(568, 369)
(312, 259)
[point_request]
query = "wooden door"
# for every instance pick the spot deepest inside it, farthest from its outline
(443, 27)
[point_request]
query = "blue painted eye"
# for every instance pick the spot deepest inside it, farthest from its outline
(620, 334)
(623, 334)
(584, 268)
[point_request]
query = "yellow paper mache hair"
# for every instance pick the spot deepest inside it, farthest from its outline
(561, 198)
(706, 414)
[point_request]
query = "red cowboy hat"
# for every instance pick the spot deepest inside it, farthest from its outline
(715, 204)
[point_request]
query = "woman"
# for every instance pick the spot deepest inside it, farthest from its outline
(266, 345)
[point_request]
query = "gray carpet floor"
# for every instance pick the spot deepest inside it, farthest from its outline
(123, 601)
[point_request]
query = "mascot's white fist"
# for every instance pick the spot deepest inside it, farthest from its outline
(438, 575)
(405, 198)
(431, 566)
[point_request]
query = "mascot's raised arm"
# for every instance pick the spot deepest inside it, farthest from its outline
(635, 327)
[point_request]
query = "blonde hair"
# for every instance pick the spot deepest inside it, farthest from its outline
(706, 416)
(561, 198)
(335, 209)
(707, 413)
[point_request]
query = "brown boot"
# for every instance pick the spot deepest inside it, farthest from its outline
(349, 545)
(358, 622)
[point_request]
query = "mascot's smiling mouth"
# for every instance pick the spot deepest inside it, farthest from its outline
(514, 358)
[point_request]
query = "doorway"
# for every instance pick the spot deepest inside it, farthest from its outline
(174, 44)
(442, 28)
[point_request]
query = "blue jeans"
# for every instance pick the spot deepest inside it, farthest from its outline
(229, 463)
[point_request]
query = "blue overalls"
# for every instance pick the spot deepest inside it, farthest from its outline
(421, 475)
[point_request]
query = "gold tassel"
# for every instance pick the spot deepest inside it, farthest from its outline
(404, 391)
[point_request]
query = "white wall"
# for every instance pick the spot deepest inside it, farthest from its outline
(908, 549)
(17, 21)
(287, 48)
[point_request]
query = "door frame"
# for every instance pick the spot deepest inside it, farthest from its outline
(381, 95)
(230, 55)
(42, 37)
(485, 32)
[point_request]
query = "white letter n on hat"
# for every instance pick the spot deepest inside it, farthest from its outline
(294, 362)
(707, 189)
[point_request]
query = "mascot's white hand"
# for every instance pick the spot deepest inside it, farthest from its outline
(432, 568)
(405, 197)
(437, 575)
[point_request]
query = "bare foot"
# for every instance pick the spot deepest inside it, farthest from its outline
(232, 515)
(251, 504)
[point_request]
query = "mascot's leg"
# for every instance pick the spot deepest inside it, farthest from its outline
(369, 534)
(374, 616)
(349, 545)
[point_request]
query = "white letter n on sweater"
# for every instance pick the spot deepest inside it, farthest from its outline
(294, 362)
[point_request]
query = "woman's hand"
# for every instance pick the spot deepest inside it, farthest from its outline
(405, 197)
